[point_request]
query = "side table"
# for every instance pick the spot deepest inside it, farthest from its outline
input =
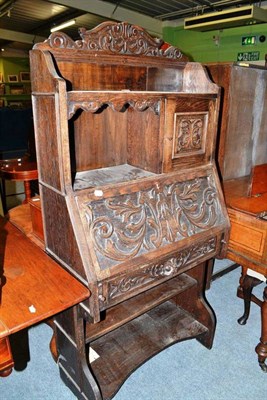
(248, 248)
(21, 169)
(33, 288)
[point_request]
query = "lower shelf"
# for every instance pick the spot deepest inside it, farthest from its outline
(130, 309)
(123, 350)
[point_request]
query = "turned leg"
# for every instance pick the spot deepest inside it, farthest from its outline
(28, 192)
(6, 358)
(247, 283)
(261, 348)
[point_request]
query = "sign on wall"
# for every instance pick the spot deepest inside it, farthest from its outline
(248, 56)
(248, 40)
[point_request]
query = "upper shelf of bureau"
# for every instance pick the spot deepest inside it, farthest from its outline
(125, 93)
(93, 100)
(115, 56)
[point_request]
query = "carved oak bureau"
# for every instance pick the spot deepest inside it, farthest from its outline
(131, 201)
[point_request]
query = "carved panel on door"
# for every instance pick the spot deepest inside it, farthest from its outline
(189, 133)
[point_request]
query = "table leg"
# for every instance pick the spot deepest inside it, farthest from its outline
(28, 192)
(247, 283)
(261, 348)
(6, 358)
(3, 195)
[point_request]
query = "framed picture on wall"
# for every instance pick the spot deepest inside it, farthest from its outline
(24, 76)
(12, 78)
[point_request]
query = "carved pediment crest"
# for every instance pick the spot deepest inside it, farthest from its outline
(115, 38)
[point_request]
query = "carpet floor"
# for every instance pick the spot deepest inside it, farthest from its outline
(185, 371)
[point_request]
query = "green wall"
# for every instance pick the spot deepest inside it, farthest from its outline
(202, 47)
(13, 66)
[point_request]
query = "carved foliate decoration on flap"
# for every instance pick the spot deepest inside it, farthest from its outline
(161, 271)
(130, 225)
(190, 131)
(115, 38)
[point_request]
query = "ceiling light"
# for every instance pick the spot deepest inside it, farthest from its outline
(62, 26)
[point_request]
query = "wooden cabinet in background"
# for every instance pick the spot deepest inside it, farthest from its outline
(131, 200)
(242, 158)
(242, 136)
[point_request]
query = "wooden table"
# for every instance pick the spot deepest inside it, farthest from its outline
(33, 288)
(248, 247)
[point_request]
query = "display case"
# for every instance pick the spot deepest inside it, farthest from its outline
(131, 200)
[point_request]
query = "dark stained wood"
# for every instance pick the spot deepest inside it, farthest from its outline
(131, 198)
(126, 311)
(261, 348)
(135, 336)
(247, 283)
(139, 340)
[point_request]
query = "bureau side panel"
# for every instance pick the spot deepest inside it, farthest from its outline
(59, 235)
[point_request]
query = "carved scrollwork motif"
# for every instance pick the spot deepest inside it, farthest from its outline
(161, 270)
(115, 38)
(133, 224)
(58, 40)
(116, 105)
(121, 38)
(190, 133)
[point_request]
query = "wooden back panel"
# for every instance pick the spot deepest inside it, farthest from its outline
(242, 128)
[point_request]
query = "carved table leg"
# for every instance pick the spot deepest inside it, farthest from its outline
(6, 358)
(261, 348)
(247, 283)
